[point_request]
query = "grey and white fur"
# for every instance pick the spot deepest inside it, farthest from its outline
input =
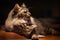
(20, 21)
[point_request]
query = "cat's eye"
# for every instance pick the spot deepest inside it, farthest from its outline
(25, 11)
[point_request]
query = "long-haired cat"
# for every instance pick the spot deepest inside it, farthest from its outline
(20, 21)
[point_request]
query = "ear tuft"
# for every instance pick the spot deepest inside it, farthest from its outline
(23, 5)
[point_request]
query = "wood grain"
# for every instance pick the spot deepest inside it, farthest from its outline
(10, 36)
(50, 37)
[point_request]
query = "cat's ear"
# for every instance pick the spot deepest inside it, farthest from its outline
(16, 6)
(23, 5)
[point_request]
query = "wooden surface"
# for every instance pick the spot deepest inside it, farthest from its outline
(10, 36)
(51, 37)
(13, 36)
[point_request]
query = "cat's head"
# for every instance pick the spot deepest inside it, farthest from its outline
(20, 11)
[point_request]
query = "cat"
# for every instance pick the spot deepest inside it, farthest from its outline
(21, 21)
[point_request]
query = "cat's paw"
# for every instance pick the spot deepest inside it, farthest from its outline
(34, 36)
(40, 36)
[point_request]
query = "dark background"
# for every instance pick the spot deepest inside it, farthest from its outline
(38, 8)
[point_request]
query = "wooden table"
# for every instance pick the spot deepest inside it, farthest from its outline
(10, 36)
(13, 36)
(50, 37)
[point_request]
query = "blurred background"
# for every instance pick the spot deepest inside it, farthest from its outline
(41, 9)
